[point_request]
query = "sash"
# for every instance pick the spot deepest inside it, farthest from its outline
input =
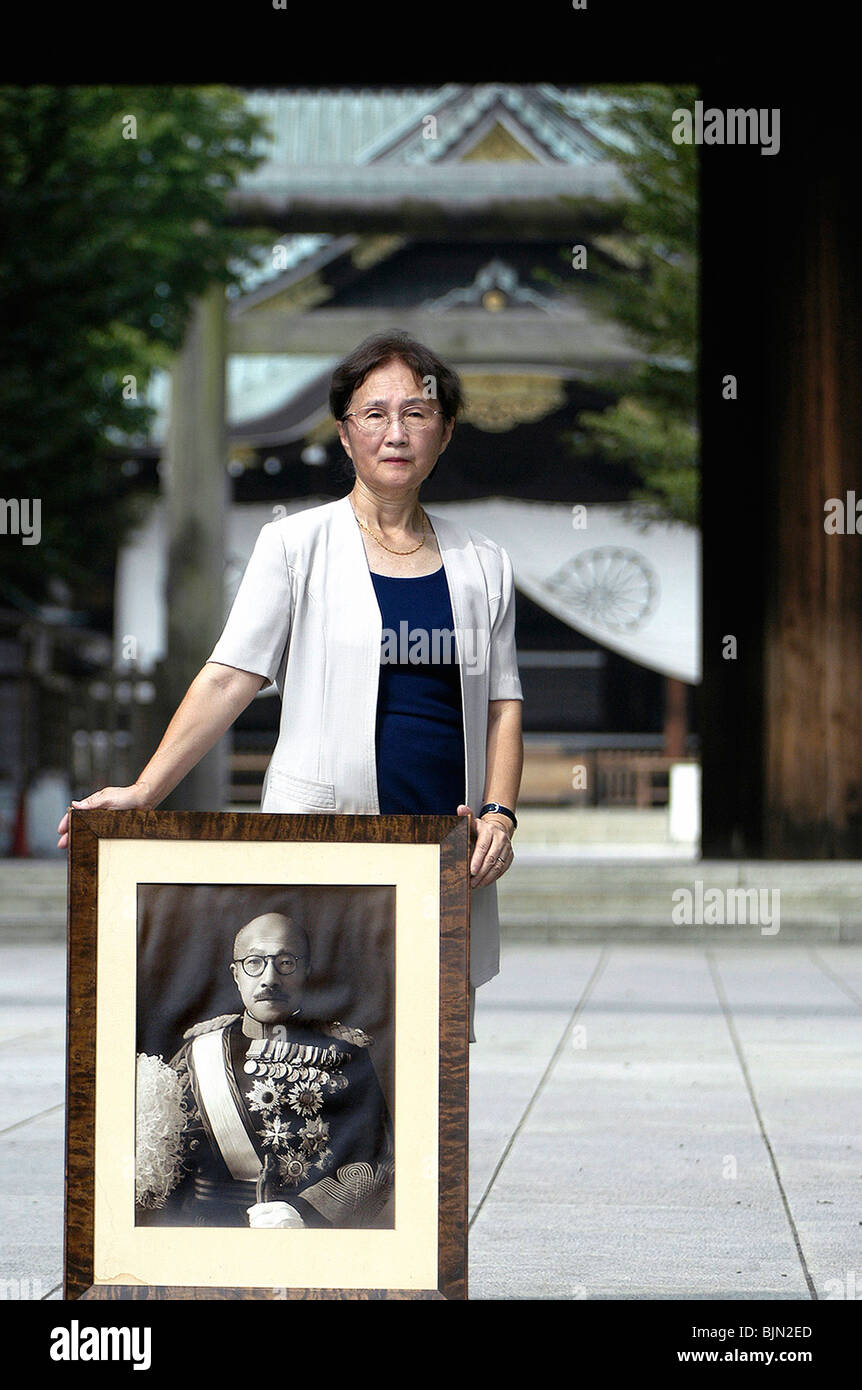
(220, 1104)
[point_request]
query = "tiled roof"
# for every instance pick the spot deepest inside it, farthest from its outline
(333, 127)
(553, 127)
(361, 127)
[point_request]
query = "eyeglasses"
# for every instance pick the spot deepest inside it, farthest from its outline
(374, 421)
(285, 963)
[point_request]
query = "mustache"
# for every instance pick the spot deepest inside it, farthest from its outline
(270, 992)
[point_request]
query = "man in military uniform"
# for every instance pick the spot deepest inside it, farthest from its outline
(284, 1122)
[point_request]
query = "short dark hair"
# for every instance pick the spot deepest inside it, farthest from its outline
(381, 348)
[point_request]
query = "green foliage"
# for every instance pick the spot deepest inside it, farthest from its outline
(647, 282)
(106, 242)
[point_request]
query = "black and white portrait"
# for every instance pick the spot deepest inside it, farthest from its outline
(265, 1055)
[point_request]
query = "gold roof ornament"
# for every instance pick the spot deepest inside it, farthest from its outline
(494, 301)
(325, 431)
(496, 402)
(303, 294)
(498, 145)
(371, 249)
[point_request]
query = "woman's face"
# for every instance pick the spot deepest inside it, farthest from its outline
(395, 459)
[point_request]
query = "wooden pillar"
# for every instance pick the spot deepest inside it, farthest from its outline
(195, 487)
(813, 629)
(675, 722)
(781, 703)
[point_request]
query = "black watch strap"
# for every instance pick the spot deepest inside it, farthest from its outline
(501, 810)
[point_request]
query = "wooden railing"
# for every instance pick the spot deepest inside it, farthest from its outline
(553, 775)
(566, 775)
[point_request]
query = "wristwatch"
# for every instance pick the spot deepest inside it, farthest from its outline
(501, 810)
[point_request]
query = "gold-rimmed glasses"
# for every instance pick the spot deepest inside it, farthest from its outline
(373, 420)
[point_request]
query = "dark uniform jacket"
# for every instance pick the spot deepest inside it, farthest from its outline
(317, 1133)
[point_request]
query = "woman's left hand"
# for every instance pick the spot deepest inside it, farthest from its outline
(492, 852)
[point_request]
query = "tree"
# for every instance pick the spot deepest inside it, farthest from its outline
(110, 218)
(646, 280)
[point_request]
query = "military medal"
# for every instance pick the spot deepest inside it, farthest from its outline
(272, 1058)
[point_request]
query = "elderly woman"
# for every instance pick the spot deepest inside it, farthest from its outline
(389, 634)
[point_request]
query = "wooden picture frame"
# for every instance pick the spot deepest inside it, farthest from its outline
(139, 880)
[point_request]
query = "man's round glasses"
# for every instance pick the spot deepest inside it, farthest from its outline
(413, 418)
(285, 963)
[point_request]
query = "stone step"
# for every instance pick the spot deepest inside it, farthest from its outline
(545, 894)
(551, 927)
(827, 879)
(634, 899)
(588, 901)
(33, 899)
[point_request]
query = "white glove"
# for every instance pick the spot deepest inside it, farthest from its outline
(275, 1215)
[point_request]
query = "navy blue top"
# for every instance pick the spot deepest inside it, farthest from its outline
(420, 731)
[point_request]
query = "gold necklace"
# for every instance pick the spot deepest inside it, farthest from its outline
(389, 547)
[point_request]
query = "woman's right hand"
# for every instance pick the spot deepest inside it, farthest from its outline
(134, 798)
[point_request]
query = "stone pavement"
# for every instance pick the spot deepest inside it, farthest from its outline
(668, 1121)
(32, 1113)
(653, 1120)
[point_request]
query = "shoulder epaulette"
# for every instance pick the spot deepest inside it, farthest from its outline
(356, 1036)
(210, 1025)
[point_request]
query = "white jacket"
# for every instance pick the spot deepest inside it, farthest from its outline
(306, 616)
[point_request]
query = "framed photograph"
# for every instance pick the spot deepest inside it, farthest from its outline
(267, 1056)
